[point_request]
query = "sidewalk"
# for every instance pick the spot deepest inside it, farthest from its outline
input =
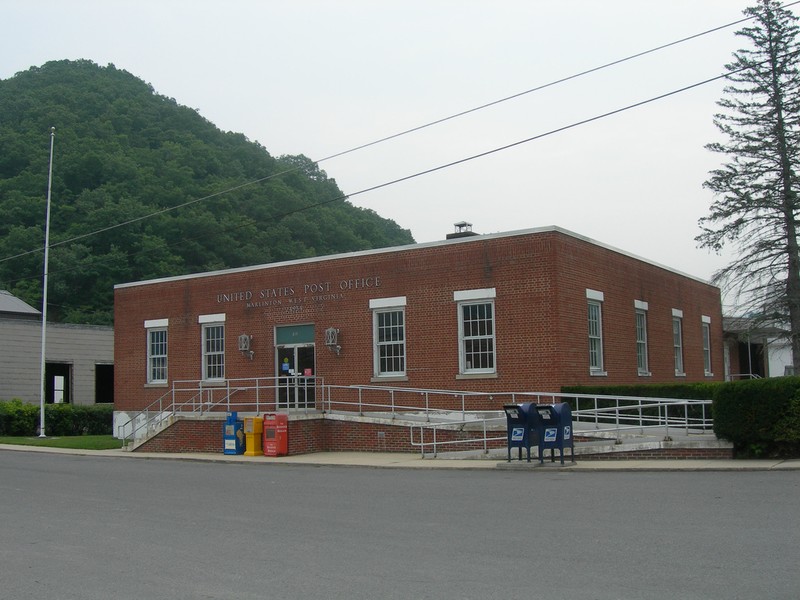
(415, 461)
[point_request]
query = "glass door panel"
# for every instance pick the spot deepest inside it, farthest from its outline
(296, 376)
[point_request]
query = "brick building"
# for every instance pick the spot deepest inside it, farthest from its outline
(528, 310)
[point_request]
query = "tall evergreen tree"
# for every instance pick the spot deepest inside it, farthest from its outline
(756, 205)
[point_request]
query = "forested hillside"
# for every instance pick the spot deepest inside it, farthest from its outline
(124, 152)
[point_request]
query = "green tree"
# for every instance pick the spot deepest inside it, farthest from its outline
(756, 205)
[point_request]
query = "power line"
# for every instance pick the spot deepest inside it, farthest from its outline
(393, 136)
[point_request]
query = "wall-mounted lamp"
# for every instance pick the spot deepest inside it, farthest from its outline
(245, 344)
(332, 340)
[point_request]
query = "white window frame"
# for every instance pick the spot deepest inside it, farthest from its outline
(594, 314)
(642, 351)
(677, 342)
(381, 307)
(706, 331)
(212, 371)
(157, 362)
(465, 299)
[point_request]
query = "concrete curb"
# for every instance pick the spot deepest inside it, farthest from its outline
(409, 461)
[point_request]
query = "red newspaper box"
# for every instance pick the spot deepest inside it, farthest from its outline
(275, 435)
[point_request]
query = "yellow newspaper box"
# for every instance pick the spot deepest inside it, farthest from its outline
(253, 427)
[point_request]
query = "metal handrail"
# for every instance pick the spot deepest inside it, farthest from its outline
(168, 405)
(435, 444)
(743, 376)
(620, 420)
(446, 407)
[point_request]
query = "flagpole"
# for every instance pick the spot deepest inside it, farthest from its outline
(43, 389)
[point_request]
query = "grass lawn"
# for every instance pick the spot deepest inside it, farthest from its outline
(78, 442)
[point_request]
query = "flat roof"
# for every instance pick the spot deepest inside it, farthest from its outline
(376, 251)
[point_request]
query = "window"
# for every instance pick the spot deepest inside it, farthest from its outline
(677, 340)
(157, 356)
(156, 350)
(213, 346)
(706, 323)
(389, 336)
(641, 338)
(476, 331)
(595, 313)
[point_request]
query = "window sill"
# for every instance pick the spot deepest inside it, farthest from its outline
(677, 374)
(645, 374)
(388, 378)
(476, 376)
(598, 373)
(707, 374)
(157, 384)
(213, 382)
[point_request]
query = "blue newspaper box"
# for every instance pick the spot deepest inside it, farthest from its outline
(552, 429)
(518, 425)
(233, 435)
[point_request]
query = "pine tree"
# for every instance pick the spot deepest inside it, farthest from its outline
(756, 205)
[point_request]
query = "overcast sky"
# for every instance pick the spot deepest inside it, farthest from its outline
(320, 77)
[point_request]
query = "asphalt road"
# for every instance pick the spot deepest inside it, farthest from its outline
(97, 528)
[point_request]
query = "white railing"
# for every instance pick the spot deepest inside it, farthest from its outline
(196, 398)
(621, 413)
(596, 414)
(428, 436)
(742, 376)
(477, 412)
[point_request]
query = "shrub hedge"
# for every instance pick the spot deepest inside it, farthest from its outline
(22, 419)
(760, 417)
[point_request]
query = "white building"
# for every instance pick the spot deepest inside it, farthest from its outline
(79, 359)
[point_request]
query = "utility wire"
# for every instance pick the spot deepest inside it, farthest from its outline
(391, 137)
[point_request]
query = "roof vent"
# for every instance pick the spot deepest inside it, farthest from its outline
(463, 229)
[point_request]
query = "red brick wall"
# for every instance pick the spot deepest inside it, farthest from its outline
(663, 453)
(541, 324)
(325, 435)
(187, 436)
(313, 435)
(582, 265)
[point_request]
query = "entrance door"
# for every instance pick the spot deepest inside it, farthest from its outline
(296, 376)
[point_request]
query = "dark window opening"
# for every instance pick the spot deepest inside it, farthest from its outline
(751, 360)
(103, 383)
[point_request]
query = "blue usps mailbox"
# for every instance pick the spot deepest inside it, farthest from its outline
(552, 428)
(518, 428)
(233, 435)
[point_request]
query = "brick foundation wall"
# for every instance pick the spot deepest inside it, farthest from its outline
(663, 453)
(187, 435)
(313, 435)
(306, 436)
(380, 437)
(328, 435)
